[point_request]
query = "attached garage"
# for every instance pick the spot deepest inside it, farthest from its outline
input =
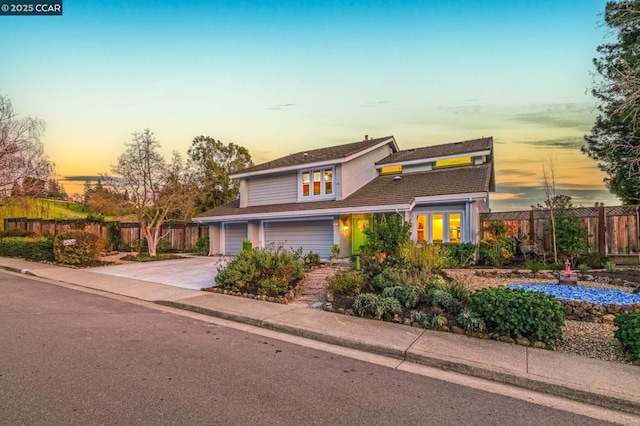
(311, 235)
(234, 233)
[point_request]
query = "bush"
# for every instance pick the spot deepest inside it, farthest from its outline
(628, 332)
(517, 313)
(387, 234)
(419, 317)
(311, 259)
(15, 232)
(534, 266)
(398, 277)
(409, 297)
(37, 249)
(251, 269)
(86, 248)
(470, 321)
(593, 260)
(114, 237)
(369, 304)
(460, 254)
(202, 246)
(346, 283)
(163, 246)
(426, 257)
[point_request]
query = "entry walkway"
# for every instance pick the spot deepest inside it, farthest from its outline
(608, 384)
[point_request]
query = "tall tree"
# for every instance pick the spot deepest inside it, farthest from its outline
(614, 141)
(22, 157)
(159, 191)
(213, 162)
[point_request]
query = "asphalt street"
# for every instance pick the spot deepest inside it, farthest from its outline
(71, 357)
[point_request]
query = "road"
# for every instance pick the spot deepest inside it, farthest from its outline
(71, 357)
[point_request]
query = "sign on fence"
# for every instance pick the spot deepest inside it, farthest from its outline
(71, 242)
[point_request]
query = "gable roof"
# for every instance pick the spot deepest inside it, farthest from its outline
(336, 153)
(384, 193)
(436, 151)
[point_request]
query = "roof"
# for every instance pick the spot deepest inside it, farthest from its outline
(435, 151)
(336, 152)
(384, 190)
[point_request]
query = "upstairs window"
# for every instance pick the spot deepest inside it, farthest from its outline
(453, 162)
(316, 182)
(390, 169)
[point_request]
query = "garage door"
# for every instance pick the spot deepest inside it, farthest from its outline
(234, 233)
(311, 235)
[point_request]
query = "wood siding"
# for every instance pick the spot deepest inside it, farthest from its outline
(280, 189)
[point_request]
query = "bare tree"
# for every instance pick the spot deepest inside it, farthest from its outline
(22, 158)
(551, 196)
(158, 191)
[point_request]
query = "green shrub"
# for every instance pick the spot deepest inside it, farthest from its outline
(249, 270)
(438, 321)
(86, 248)
(163, 246)
(442, 299)
(409, 297)
(610, 267)
(202, 246)
(114, 237)
(460, 254)
(369, 304)
(311, 259)
(273, 286)
(534, 266)
(387, 234)
(15, 232)
(425, 257)
(628, 332)
(419, 317)
(470, 321)
(519, 313)
(37, 249)
(346, 283)
(593, 260)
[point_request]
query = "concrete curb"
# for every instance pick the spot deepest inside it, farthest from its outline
(18, 270)
(576, 394)
(212, 313)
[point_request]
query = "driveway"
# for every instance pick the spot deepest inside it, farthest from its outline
(190, 272)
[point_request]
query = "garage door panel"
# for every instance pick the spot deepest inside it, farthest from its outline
(234, 233)
(312, 235)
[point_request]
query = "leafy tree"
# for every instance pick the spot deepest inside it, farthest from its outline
(387, 234)
(212, 163)
(22, 157)
(159, 191)
(614, 141)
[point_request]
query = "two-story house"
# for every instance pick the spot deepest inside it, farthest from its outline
(316, 198)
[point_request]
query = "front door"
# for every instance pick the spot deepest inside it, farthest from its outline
(359, 237)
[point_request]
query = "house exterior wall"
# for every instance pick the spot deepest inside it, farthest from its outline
(214, 239)
(274, 189)
(359, 171)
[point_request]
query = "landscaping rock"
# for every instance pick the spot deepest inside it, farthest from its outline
(523, 341)
(539, 345)
(506, 339)
(457, 330)
(608, 319)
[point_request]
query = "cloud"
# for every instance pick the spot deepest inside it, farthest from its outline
(374, 104)
(562, 115)
(282, 106)
(515, 172)
(506, 196)
(81, 178)
(575, 142)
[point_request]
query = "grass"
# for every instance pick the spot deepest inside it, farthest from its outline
(147, 258)
(40, 208)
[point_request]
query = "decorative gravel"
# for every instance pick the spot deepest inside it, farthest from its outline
(598, 296)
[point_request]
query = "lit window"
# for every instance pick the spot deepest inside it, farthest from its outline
(317, 183)
(391, 169)
(421, 227)
(454, 227)
(437, 226)
(453, 162)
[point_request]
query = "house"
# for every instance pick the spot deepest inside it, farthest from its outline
(316, 198)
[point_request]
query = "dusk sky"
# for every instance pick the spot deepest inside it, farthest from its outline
(282, 76)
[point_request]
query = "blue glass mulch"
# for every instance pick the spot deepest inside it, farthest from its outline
(599, 296)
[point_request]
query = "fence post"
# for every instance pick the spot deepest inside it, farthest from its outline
(532, 229)
(602, 242)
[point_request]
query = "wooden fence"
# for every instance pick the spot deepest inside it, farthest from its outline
(613, 231)
(180, 236)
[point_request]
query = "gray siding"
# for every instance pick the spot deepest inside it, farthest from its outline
(311, 235)
(234, 233)
(278, 189)
(360, 171)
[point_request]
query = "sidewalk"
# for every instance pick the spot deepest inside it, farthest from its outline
(607, 384)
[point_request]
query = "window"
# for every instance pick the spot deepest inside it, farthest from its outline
(439, 227)
(317, 182)
(453, 162)
(391, 169)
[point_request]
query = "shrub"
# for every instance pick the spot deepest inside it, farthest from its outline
(311, 259)
(163, 246)
(610, 267)
(86, 248)
(628, 332)
(369, 304)
(273, 286)
(38, 249)
(594, 259)
(470, 321)
(346, 283)
(460, 254)
(419, 317)
(518, 313)
(15, 232)
(250, 269)
(114, 237)
(387, 234)
(409, 297)
(438, 321)
(498, 247)
(534, 266)
(426, 257)
(202, 246)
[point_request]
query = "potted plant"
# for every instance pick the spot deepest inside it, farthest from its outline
(335, 251)
(247, 245)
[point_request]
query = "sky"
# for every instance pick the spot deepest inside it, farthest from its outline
(282, 76)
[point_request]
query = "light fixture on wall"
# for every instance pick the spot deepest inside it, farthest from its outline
(345, 225)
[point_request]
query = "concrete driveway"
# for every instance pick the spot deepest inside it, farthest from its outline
(190, 272)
